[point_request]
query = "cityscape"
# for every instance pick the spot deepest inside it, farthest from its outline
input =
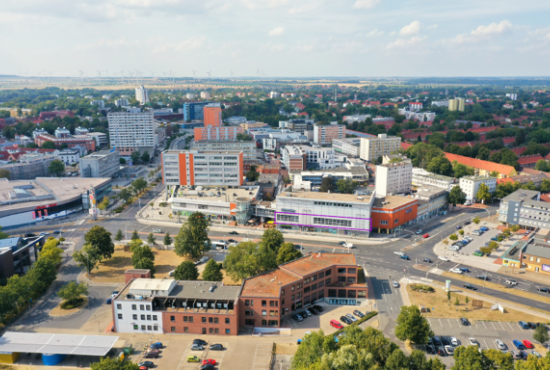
(337, 213)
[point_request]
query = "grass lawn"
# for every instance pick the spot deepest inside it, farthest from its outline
(446, 309)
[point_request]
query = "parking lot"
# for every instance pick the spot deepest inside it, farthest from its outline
(485, 332)
(218, 356)
(322, 321)
(479, 241)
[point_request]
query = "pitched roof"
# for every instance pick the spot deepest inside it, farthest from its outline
(508, 140)
(318, 261)
(480, 164)
(268, 284)
(405, 146)
(529, 159)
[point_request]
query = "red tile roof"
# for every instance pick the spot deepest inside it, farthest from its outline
(405, 146)
(318, 261)
(519, 150)
(505, 180)
(529, 159)
(482, 165)
(508, 140)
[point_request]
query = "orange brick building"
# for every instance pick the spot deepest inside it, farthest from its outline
(217, 132)
(393, 211)
(213, 115)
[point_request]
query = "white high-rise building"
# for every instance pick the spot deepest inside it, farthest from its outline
(374, 147)
(393, 178)
(129, 132)
(142, 95)
(205, 95)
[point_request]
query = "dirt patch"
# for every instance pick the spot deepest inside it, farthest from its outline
(375, 323)
(58, 311)
(441, 307)
(285, 348)
(227, 280)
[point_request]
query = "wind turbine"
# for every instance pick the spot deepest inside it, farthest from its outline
(194, 72)
(232, 74)
(99, 73)
(81, 73)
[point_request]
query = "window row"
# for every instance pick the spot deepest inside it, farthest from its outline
(147, 327)
(331, 222)
(143, 317)
(211, 320)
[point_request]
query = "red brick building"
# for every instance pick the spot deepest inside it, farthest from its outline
(85, 141)
(392, 211)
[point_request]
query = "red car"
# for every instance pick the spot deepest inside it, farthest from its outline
(209, 361)
(336, 324)
(426, 236)
(528, 344)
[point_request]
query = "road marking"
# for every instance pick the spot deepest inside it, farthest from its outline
(458, 322)
(440, 323)
(511, 327)
(483, 322)
(502, 326)
(485, 343)
(449, 321)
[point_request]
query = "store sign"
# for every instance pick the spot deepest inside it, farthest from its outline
(546, 268)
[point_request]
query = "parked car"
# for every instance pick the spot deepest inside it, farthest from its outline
(197, 347)
(441, 351)
(477, 232)
(427, 260)
(303, 314)
(459, 227)
(455, 341)
(469, 286)
(430, 349)
(426, 236)
(308, 313)
(351, 317)
(511, 282)
(473, 342)
(336, 324)
(209, 361)
(348, 245)
(450, 350)
(467, 222)
(200, 342)
(157, 231)
(528, 344)
(454, 248)
(193, 359)
(313, 310)
(345, 319)
(515, 354)
(207, 367)
(156, 345)
(478, 253)
(154, 354)
(147, 364)
(443, 258)
(358, 313)
(543, 289)
(319, 308)
(469, 238)
(536, 354)
(233, 233)
(404, 257)
(518, 344)
(532, 325)
(456, 271)
(296, 317)
(484, 228)
(500, 345)
(464, 321)
(109, 300)
(523, 324)
(483, 277)
(494, 239)
(419, 231)
(464, 269)
(399, 253)
(437, 340)
(395, 284)
(446, 340)
(232, 241)
(216, 347)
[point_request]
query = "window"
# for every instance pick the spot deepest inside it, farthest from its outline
(247, 302)
(328, 272)
(264, 303)
(383, 222)
(172, 318)
(361, 293)
(331, 222)
(282, 292)
(314, 286)
(227, 331)
(185, 329)
(204, 330)
(283, 301)
(136, 327)
(148, 307)
(133, 307)
(249, 313)
(119, 306)
(228, 321)
(538, 260)
(148, 317)
(143, 327)
(142, 307)
(248, 322)
(341, 279)
(203, 319)
(264, 312)
(190, 318)
(143, 317)
(211, 330)
(120, 316)
(155, 327)
(321, 275)
(272, 323)
(264, 322)
(173, 329)
(327, 281)
(351, 280)
(531, 258)
(351, 293)
(292, 298)
(307, 289)
(155, 317)
(352, 271)
(341, 270)
(292, 288)
(273, 303)
(306, 281)
(321, 284)
(184, 318)
(282, 217)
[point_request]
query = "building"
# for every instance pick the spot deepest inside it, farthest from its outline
(99, 137)
(483, 168)
(415, 106)
(529, 161)
(56, 113)
(512, 96)
(269, 144)
(38, 131)
(235, 120)
(356, 118)
(418, 116)
(62, 132)
(441, 103)
(456, 104)
(131, 132)
(392, 213)
(194, 111)
(142, 95)
(104, 163)
(524, 208)
(301, 157)
(247, 147)
(297, 125)
(81, 131)
(168, 306)
(221, 203)
(69, 156)
(213, 115)
(99, 103)
(217, 133)
(324, 134)
(349, 146)
(393, 178)
(470, 185)
(432, 202)
(18, 254)
(311, 179)
(122, 102)
(206, 168)
(247, 126)
(28, 168)
(27, 202)
(373, 148)
(421, 177)
(204, 95)
(72, 142)
(343, 214)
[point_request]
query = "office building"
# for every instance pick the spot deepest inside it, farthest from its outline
(104, 163)
(236, 120)
(247, 126)
(324, 134)
(122, 102)
(18, 254)
(247, 147)
(206, 168)
(512, 96)
(81, 131)
(69, 156)
(131, 132)
(524, 208)
(441, 103)
(142, 95)
(373, 148)
(392, 213)
(301, 157)
(269, 144)
(99, 137)
(217, 133)
(432, 202)
(213, 115)
(194, 111)
(393, 178)
(349, 146)
(72, 142)
(311, 179)
(470, 185)
(356, 118)
(30, 167)
(297, 125)
(342, 214)
(421, 177)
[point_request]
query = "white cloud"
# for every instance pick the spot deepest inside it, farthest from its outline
(484, 32)
(392, 33)
(302, 8)
(432, 27)
(375, 32)
(365, 4)
(256, 4)
(405, 44)
(411, 29)
(277, 31)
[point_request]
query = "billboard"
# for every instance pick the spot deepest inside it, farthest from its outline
(545, 268)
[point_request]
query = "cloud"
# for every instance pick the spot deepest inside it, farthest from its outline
(484, 32)
(432, 27)
(365, 4)
(405, 44)
(411, 29)
(302, 8)
(392, 33)
(375, 32)
(277, 31)
(257, 4)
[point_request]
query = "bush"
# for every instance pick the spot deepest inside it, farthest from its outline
(163, 204)
(422, 288)
(358, 322)
(119, 209)
(66, 305)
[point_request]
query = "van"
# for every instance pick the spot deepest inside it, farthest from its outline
(171, 273)
(219, 245)
(477, 232)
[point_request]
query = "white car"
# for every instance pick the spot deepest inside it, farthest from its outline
(159, 231)
(454, 341)
(456, 271)
(399, 253)
(443, 258)
(351, 317)
(500, 345)
(395, 284)
(419, 231)
(347, 245)
(473, 342)
(450, 350)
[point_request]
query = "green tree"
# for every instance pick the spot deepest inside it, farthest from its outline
(470, 358)
(212, 271)
(244, 137)
(146, 264)
(135, 235)
(541, 165)
(544, 187)
(541, 334)
(461, 170)
(515, 228)
(51, 251)
(145, 157)
(141, 252)
(72, 292)
(192, 239)
(135, 157)
(88, 257)
(5, 174)
(186, 271)
(453, 237)
(56, 167)
(272, 239)
(100, 239)
(109, 363)
(397, 361)
(151, 239)
(441, 166)
(104, 203)
(456, 196)
(476, 220)
(310, 351)
(9, 133)
(243, 260)
(3, 235)
(461, 232)
(327, 185)
(411, 325)
(483, 193)
(119, 236)
(122, 161)
(346, 186)
(48, 145)
(252, 174)
(42, 274)
(287, 253)
(167, 239)
(483, 153)
(138, 185)
(498, 359)
(125, 194)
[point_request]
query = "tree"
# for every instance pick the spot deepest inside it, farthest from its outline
(122, 161)
(143, 258)
(51, 251)
(470, 358)
(346, 186)
(104, 204)
(192, 239)
(544, 187)
(135, 235)
(167, 239)
(441, 166)
(212, 271)
(5, 174)
(125, 194)
(541, 334)
(484, 194)
(453, 237)
(3, 235)
(461, 170)
(252, 174)
(515, 228)
(119, 236)
(244, 137)
(9, 133)
(56, 167)
(413, 326)
(397, 361)
(272, 239)
(48, 145)
(87, 258)
(327, 185)
(146, 264)
(145, 157)
(541, 165)
(109, 363)
(476, 220)
(72, 292)
(483, 153)
(186, 271)
(138, 185)
(486, 250)
(456, 196)
(99, 238)
(135, 157)
(287, 253)
(244, 260)
(461, 232)
(151, 239)
(457, 302)
(42, 274)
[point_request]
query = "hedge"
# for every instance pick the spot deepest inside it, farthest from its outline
(370, 315)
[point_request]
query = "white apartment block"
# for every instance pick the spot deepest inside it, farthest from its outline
(204, 95)
(374, 147)
(269, 144)
(441, 103)
(69, 156)
(393, 178)
(470, 185)
(129, 132)
(349, 146)
(421, 177)
(293, 157)
(142, 95)
(99, 103)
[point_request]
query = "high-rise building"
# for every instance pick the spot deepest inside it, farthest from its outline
(217, 133)
(374, 147)
(213, 115)
(324, 134)
(393, 178)
(202, 167)
(456, 104)
(247, 147)
(142, 95)
(194, 111)
(104, 163)
(205, 95)
(130, 132)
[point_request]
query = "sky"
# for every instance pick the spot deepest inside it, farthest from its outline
(279, 38)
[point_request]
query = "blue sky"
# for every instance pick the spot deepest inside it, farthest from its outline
(369, 38)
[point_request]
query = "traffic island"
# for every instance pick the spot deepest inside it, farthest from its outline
(58, 311)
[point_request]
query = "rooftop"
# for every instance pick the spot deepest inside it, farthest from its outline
(326, 196)
(478, 178)
(216, 194)
(317, 261)
(100, 154)
(268, 284)
(392, 201)
(194, 151)
(480, 164)
(521, 195)
(537, 250)
(513, 252)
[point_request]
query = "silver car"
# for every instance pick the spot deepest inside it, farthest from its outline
(500, 345)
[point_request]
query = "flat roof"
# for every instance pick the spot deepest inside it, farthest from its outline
(317, 261)
(184, 289)
(521, 195)
(267, 284)
(63, 344)
(151, 284)
(211, 194)
(394, 201)
(537, 250)
(326, 196)
(479, 178)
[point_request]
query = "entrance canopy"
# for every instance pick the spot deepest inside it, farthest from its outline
(62, 344)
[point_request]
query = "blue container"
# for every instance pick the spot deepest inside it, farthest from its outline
(51, 360)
